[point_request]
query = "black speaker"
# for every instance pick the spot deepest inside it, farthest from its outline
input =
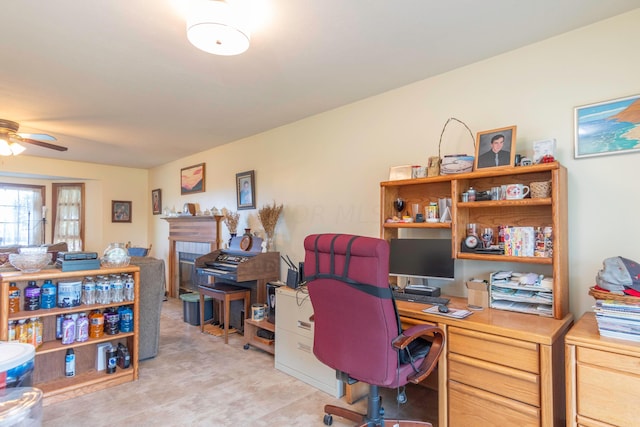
(271, 302)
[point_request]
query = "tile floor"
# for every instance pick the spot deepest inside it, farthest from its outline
(196, 380)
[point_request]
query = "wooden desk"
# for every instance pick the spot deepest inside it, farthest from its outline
(498, 367)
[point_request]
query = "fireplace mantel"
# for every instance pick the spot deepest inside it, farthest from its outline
(187, 228)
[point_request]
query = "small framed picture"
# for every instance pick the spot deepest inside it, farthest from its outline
(120, 211)
(608, 127)
(245, 190)
(192, 179)
(496, 148)
(156, 201)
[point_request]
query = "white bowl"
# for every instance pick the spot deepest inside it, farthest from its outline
(30, 263)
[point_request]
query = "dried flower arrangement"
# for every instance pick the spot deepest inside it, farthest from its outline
(230, 220)
(268, 216)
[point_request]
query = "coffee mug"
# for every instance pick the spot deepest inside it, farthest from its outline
(517, 191)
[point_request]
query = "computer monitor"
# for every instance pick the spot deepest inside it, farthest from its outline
(421, 258)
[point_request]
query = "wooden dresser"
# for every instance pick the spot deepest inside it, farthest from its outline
(603, 377)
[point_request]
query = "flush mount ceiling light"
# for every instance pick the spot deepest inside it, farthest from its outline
(217, 27)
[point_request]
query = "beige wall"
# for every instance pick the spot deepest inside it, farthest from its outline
(102, 185)
(326, 169)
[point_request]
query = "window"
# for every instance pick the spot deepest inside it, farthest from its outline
(21, 214)
(68, 215)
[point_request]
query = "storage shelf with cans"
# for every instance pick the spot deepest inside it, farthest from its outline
(49, 366)
(547, 210)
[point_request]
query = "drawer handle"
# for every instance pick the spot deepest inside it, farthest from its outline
(304, 325)
(304, 347)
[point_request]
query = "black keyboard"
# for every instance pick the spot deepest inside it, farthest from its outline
(423, 299)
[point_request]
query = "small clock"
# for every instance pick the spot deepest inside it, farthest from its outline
(470, 243)
(245, 243)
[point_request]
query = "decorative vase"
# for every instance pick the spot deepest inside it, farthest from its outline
(271, 243)
(231, 238)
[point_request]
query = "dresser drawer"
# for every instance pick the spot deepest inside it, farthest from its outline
(293, 311)
(470, 407)
(509, 352)
(508, 382)
(609, 360)
(606, 394)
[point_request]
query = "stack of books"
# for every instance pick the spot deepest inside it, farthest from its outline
(618, 319)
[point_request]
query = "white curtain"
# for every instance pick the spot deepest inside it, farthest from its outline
(68, 217)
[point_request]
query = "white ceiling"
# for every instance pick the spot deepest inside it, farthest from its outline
(118, 83)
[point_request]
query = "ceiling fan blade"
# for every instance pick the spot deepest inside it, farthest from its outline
(44, 144)
(38, 136)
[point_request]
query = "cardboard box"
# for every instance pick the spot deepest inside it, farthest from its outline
(478, 293)
(399, 172)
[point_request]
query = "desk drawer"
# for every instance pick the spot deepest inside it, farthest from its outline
(508, 382)
(509, 352)
(469, 406)
(293, 310)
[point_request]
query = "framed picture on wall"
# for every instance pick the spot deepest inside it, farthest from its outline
(192, 179)
(609, 127)
(246, 190)
(496, 148)
(120, 211)
(156, 201)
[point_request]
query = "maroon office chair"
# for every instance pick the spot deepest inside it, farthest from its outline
(356, 325)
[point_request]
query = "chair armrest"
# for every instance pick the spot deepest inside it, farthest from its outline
(430, 333)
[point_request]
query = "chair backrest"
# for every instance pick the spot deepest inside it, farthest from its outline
(355, 318)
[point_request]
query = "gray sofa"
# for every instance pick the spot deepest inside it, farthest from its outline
(152, 290)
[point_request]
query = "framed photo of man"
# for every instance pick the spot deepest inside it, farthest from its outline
(495, 148)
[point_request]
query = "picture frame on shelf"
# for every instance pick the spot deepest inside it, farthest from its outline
(156, 201)
(608, 127)
(245, 190)
(192, 179)
(495, 148)
(120, 211)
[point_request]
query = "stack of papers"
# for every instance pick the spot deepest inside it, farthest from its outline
(617, 319)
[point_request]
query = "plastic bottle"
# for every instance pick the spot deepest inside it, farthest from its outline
(88, 291)
(112, 359)
(59, 320)
(96, 324)
(129, 288)
(111, 321)
(117, 288)
(21, 331)
(126, 318)
(12, 331)
(68, 330)
(32, 296)
(14, 298)
(103, 290)
(70, 363)
(48, 297)
(37, 326)
(124, 359)
(82, 327)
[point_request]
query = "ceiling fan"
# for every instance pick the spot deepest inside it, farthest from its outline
(11, 141)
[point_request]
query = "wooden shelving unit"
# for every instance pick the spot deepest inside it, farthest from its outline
(48, 372)
(251, 328)
(541, 212)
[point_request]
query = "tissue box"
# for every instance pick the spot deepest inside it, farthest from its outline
(478, 293)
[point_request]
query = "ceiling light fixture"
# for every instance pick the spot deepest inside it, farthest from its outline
(8, 149)
(216, 26)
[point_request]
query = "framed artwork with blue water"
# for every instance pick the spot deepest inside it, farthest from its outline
(608, 127)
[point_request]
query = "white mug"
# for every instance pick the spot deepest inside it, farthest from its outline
(517, 191)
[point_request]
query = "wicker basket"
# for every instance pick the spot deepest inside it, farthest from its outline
(611, 296)
(540, 189)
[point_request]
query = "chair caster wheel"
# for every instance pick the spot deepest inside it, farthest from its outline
(328, 419)
(402, 398)
(246, 347)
